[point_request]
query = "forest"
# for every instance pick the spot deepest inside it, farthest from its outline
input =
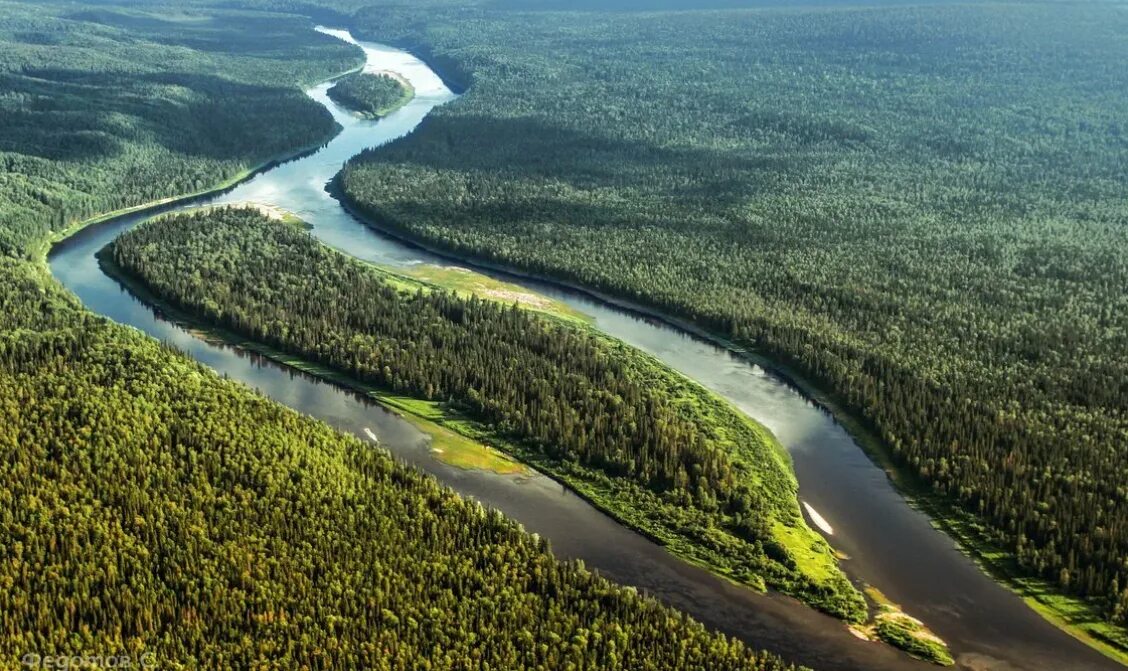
(372, 95)
(148, 505)
(97, 120)
(675, 460)
(920, 210)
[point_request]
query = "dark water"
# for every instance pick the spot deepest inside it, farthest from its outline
(890, 545)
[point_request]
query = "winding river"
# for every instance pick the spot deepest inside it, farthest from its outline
(889, 544)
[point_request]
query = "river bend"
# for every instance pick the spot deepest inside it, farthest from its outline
(889, 544)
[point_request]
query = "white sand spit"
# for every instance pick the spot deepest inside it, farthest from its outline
(818, 519)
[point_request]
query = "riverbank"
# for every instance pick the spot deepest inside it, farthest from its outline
(795, 560)
(407, 96)
(577, 530)
(1075, 617)
(43, 248)
(449, 446)
(356, 93)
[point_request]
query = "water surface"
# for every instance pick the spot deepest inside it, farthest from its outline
(890, 544)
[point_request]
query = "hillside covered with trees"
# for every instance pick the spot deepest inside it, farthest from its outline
(919, 209)
(661, 453)
(148, 505)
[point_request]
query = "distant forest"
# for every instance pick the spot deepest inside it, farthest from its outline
(148, 505)
(96, 120)
(920, 209)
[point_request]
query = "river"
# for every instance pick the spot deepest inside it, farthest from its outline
(889, 544)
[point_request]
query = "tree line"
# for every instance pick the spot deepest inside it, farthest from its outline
(587, 408)
(95, 120)
(371, 95)
(150, 506)
(909, 206)
(146, 504)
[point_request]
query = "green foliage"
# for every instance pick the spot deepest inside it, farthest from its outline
(892, 625)
(919, 208)
(110, 108)
(371, 95)
(147, 505)
(667, 456)
(908, 634)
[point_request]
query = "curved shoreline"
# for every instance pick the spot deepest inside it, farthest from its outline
(765, 620)
(46, 248)
(587, 490)
(154, 207)
(582, 531)
(943, 514)
(407, 94)
(684, 326)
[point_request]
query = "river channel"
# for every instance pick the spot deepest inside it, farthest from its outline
(889, 543)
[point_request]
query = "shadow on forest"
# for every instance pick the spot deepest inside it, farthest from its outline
(526, 148)
(77, 115)
(209, 33)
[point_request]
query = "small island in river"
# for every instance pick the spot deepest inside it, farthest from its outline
(372, 95)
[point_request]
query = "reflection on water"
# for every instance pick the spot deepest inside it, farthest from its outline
(890, 544)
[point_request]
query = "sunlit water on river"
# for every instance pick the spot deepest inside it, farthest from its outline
(890, 545)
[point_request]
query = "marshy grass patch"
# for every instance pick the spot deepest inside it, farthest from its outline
(466, 282)
(903, 631)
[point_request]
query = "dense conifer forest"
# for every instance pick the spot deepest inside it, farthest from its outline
(106, 108)
(590, 410)
(149, 506)
(919, 209)
(370, 95)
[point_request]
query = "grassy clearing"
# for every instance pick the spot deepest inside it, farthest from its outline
(810, 551)
(450, 446)
(467, 282)
(272, 211)
(894, 626)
